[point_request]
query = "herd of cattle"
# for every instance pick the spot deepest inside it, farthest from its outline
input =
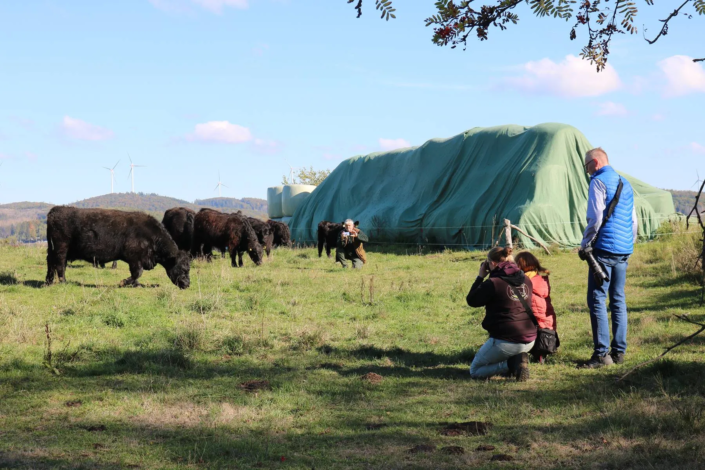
(100, 236)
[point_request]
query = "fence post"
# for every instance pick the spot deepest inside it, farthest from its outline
(508, 233)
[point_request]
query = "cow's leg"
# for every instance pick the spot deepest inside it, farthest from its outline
(61, 266)
(239, 258)
(328, 247)
(268, 247)
(321, 242)
(135, 273)
(114, 266)
(51, 267)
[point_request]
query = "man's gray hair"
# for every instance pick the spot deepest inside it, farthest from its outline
(350, 221)
(597, 153)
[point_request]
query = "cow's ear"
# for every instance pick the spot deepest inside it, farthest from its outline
(357, 222)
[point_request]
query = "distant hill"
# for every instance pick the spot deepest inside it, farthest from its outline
(27, 220)
(684, 200)
(244, 204)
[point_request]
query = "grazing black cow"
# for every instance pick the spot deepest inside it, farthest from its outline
(178, 221)
(327, 236)
(282, 236)
(264, 233)
(213, 229)
(103, 235)
(101, 265)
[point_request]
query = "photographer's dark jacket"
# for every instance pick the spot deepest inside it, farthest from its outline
(348, 248)
(505, 317)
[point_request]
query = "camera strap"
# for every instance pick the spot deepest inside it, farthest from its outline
(610, 209)
(526, 305)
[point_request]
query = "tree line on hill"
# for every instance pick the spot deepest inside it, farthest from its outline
(25, 222)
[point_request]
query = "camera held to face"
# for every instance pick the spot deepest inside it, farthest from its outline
(598, 272)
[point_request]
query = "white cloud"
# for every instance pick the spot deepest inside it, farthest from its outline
(216, 6)
(260, 49)
(393, 144)
(697, 148)
(571, 78)
(182, 6)
(267, 147)
(82, 130)
(608, 108)
(220, 131)
(683, 76)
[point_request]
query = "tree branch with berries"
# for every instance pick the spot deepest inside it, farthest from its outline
(457, 21)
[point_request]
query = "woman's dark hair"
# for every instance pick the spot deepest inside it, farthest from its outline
(498, 254)
(528, 262)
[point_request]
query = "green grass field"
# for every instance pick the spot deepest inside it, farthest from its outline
(161, 378)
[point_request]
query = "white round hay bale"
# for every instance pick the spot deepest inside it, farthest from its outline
(274, 201)
(293, 195)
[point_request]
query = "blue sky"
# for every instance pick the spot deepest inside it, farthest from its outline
(248, 87)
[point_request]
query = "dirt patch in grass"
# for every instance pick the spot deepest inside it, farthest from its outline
(422, 449)
(372, 378)
(73, 403)
(485, 448)
(255, 385)
(453, 450)
(470, 428)
(94, 428)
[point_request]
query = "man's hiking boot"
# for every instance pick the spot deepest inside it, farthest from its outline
(596, 362)
(617, 357)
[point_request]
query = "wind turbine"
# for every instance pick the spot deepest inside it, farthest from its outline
(132, 172)
(112, 176)
(219, 185)
(291, 171)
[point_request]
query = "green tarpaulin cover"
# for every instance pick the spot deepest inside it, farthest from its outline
(458, 191)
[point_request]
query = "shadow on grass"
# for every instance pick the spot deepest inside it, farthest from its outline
(400, 355)
(8, 279)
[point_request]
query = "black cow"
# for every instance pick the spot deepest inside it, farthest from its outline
(265, 237)
(178, 221)
(328, 235)
(103, 235)
(213, 229)
(282, 236)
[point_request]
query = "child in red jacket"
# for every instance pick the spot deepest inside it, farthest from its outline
(541, 298)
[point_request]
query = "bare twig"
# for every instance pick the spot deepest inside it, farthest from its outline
(664, 28)
(699, 60)
(526, 234)
(684, 340)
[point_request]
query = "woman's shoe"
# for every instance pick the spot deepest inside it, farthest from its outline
(522, 373)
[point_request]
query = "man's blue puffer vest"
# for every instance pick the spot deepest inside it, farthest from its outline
(616, 236)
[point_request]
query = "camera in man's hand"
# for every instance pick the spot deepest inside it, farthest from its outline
(598, 272)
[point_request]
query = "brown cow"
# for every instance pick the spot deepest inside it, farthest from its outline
(101, 235)
(213, 229)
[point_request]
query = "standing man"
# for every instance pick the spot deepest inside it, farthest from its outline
(612, 247)
(349, 245)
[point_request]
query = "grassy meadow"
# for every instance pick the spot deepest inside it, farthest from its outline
(293, 365)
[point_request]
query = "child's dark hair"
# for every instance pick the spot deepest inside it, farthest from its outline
(528, 262)
(498, 254)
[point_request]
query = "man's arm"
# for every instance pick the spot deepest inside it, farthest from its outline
(362, 237)
(597, 203)
(635, 223)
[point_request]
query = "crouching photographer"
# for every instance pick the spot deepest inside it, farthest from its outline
(349, 246)
(506, 296)
(607, 243)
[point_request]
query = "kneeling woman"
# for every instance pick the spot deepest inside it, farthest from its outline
(512, 331)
